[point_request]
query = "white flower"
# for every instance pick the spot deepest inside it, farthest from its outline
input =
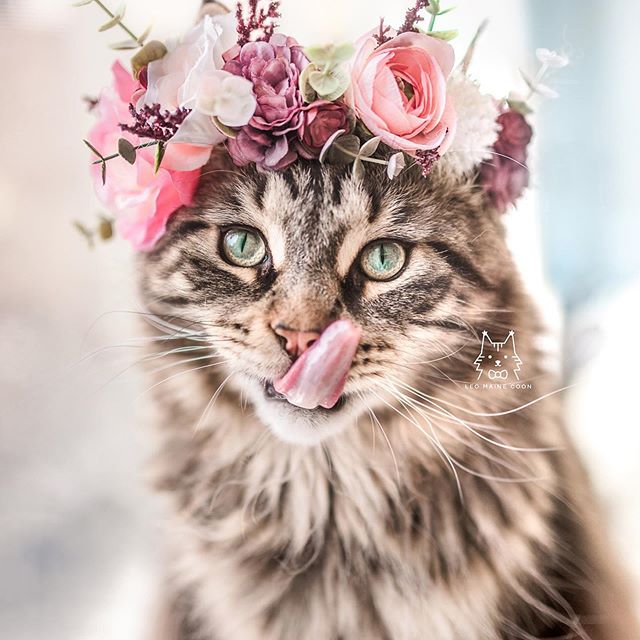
(227, 97)
(395, 165)
(190, 76)
(477, 128)
(552, 59)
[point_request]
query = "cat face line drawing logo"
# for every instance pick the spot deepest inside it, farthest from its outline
(498, 361)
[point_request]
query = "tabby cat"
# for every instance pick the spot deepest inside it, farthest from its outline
(421, 505)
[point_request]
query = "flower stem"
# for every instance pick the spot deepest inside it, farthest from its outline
(355, 156)
(432, 22)
(117, 155)
(128, 31)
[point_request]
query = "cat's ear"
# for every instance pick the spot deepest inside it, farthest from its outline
(212, 8)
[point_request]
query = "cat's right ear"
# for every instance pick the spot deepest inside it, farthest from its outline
(212, 8)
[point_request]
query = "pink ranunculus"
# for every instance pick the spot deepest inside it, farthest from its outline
(505, 176)
(321, 119)
(274, 68)
(399, 91)
(140, 199)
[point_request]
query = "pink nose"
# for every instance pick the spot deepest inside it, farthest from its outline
(297, 342)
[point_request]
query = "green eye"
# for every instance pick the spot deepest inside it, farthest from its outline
(244, 247)
(383, 260)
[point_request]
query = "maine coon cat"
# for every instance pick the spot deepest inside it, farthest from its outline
(418, 506)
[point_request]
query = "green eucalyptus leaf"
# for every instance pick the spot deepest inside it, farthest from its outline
(343, 52)
(145, 34)
(445, 35)
(323, 83)
(93, 149)
(329, 85)
(369, 147)
(87, 234)
(445, 11)
(307, 91)
(223, 128)
(345, 150)
(124, 45)
(110, 24)
(327, 145)
(81, 3)
(520, 106)
(358, 169)
(127, 150)
(160, 151)
(153, 50)
(105, 228)
(320, 55)
(433, 7)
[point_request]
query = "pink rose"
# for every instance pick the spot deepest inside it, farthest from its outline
(321, 119)
(140, 199)
(399, 91)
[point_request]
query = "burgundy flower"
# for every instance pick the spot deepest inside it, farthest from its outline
(274, 68)
(505, 176)
(320, 120)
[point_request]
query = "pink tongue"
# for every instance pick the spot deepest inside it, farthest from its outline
(318, 376)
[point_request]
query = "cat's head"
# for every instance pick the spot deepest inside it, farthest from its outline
(263, 263)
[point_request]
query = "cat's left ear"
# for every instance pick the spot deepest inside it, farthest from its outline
(212, 8)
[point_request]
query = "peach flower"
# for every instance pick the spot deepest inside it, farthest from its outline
(140, 199)
(399, 91)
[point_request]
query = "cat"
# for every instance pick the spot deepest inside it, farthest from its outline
(415, 507)
(498, 361)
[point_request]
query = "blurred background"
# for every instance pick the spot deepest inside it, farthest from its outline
(79, 534)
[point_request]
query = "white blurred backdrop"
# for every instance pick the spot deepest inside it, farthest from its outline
(79, 534)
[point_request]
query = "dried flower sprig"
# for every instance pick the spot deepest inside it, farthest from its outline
(127, 151)
(150, 121)
(427, 160)
(382, 37)
(116, 20)
(258, 20)
(413, 17)
(102, 231)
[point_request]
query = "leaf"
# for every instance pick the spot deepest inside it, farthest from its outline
(433, 7)
(116, 20)
(223, 128)
(445, 35)
(127, 150)
(124, 45)
(445, 11)
(145, 34)
(330, 56)
(329, 86)
(93, 149)
(327, 145)
(520, 106)
(105, 228)
(160, 151)
(395, 165)
(323, 83)
(344, 151)
(81, 3)
(87, 234)
(358, 169)
(307, 91)
(369, 147)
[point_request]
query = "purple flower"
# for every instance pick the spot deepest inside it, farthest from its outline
(506, 176)
(274, 68)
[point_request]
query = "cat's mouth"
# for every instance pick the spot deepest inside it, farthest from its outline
(271, 394)
(316, 380)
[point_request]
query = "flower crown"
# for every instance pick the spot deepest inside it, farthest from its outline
(393, 98)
